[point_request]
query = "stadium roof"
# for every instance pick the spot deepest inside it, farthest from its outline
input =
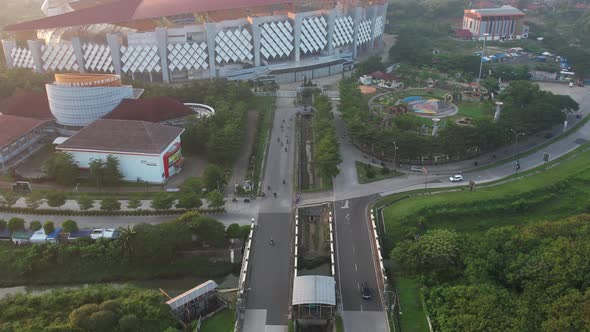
(124, 136)
(27, 104)
(132, 10)
(314, 290)
(14, 127)
(156, 109)
(500, 11)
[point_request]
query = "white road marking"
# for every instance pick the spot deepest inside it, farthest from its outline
(356, 267)
(358, 285)
(347, 216)
(345, 206)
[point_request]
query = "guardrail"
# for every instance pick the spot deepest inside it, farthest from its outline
(241, 298)
(383, 277)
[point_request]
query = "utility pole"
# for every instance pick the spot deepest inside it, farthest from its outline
(483, 49)
(394, 155)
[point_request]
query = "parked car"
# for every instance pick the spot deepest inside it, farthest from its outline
(366, 291)
(456, 178)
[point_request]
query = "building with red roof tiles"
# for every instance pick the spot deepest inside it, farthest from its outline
(157, 109)
(27, 104)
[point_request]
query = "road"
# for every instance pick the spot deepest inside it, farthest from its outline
(269, 286)
(355, 266)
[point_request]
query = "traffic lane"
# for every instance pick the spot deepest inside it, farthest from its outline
(355, 257)
(270, 267)
(279, 162)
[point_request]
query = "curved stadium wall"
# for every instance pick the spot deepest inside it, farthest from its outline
(78, 106)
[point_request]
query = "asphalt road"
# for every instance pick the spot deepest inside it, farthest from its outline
(269, 283)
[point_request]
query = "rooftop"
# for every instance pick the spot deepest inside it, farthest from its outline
(134, 10)
(14, 127)
(314, 290)
(27, 104)
(156, 109)
(123, 136)
(500, 11)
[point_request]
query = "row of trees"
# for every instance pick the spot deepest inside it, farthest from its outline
(326, 153)
(62, 168)
(512, 278)
(16, 224)
(140, 252)
(526, 109)
(93, 308)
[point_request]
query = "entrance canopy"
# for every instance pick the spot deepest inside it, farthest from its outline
(314, 290)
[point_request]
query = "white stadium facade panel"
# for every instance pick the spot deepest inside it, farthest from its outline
(238, 48)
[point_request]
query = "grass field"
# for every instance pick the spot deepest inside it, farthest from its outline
(474, 110)
(222, 321)
(569, 175)
(412, 317)
(378, 174)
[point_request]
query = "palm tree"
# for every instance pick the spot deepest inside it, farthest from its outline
(124, 241)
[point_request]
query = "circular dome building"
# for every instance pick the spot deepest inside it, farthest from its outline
(76, 100)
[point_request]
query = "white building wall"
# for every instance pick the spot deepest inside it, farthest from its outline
(148, 168)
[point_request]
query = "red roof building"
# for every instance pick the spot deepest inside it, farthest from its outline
(27, 104)
(158, 109)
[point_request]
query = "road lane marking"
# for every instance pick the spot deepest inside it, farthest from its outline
(347, 216)
(345, 205)
(355, 267)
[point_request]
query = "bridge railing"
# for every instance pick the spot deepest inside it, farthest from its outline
(242, 281)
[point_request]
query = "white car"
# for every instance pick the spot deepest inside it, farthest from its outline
(97, 233)
(456, 178)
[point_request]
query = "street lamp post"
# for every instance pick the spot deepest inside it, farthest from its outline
(483, 49)
(516, 135)
(394, 154)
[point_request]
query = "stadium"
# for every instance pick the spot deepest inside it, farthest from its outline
(180, 40)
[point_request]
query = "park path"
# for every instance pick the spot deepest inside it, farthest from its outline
(240, 169)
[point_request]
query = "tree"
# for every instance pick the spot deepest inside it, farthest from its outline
(35, 225)
(112, 173)
(34, 199)
(134, 203)
(62, 168)
(110, 203)
(215, 199)
(69, 226)
(213, 177)
(189, 200)
(96, 172)
(49, 227)
(85, 202)
(209, 231)
(162, 201)
(194, 184)
(9, 198)
(2, 224)
(233, 231)
(16, 224)
(103, 320)
(56, 198)
(80, 316)
(129, 323)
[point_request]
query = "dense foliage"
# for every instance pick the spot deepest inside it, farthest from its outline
(62, 168)
(526, 109)
(141, 252)
(326, 152)
(13, 80)
(220, 136)
(512, 278)
(93, 308)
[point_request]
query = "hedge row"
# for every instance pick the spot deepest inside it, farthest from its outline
(138, 212)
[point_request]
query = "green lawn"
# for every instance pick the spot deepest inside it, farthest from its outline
(559, 192)
(222, 321)
(378, 173)
(412, 317)
(474, 110)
